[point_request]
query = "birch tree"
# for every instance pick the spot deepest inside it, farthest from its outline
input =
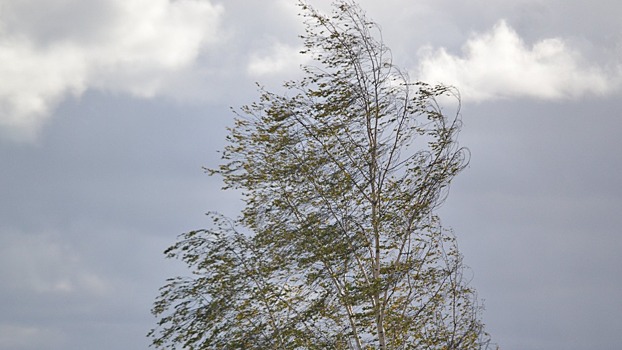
(338, 246)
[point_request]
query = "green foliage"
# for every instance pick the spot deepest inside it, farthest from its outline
(338, 246)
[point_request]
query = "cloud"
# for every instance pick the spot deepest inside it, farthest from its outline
(17, 337)
(499, 64)
(40, 264)
(64, 48)
(278, 59)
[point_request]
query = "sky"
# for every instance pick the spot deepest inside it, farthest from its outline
(109, 109)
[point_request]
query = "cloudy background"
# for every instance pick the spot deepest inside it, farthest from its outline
(109, 109)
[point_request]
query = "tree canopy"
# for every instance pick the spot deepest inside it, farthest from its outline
(338, 245)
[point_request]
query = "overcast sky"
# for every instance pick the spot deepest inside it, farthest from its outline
(109, 109)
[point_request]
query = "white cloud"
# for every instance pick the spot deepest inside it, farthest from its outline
(278, 59)
(133, 47)
(499, 64)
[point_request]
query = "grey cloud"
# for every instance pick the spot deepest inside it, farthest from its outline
(112, 180)
(537, 218)
(86, 213)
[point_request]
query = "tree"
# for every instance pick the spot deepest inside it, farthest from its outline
(338, 246)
